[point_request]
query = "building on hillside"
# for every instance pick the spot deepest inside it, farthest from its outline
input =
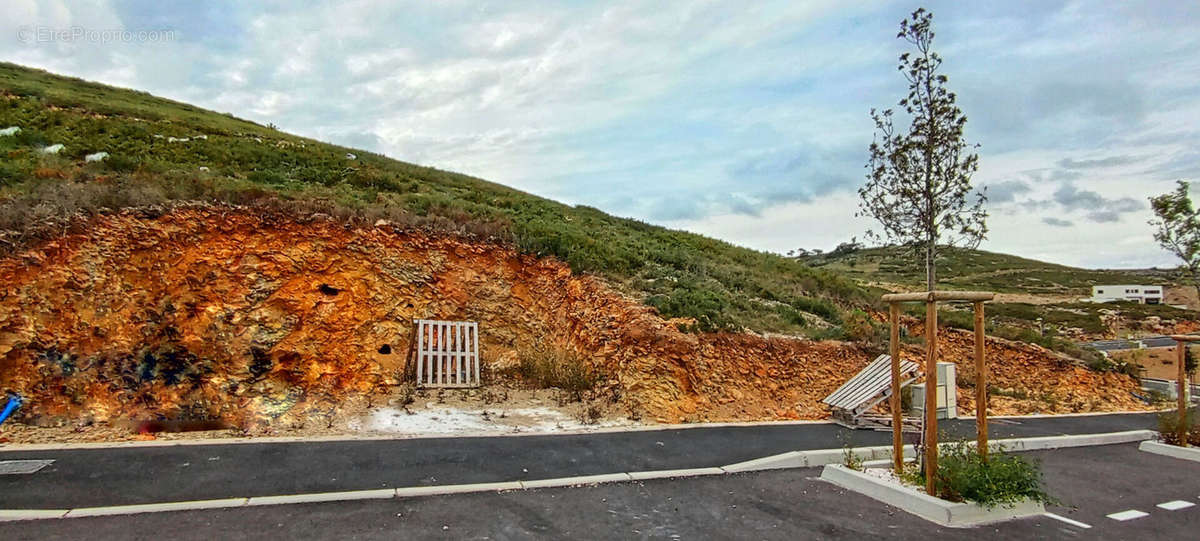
(1138, 294)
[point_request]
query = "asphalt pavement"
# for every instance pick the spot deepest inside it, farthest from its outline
(1093, 482)
(120, 476)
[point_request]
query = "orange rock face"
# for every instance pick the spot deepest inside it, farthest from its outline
(260, 319)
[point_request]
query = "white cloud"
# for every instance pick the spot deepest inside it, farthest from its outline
(748, 118)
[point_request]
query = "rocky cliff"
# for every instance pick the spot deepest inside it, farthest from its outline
(257, 318)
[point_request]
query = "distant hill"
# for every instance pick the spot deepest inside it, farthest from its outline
(960, 268)
(161, 150)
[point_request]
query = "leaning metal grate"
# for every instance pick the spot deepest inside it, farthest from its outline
(20, 467)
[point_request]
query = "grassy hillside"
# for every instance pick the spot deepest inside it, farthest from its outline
(235, 161)
(959, 268)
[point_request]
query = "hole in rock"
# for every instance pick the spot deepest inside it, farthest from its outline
(329, 290)
(385, 349)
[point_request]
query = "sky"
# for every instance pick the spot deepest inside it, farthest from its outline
(748, 122)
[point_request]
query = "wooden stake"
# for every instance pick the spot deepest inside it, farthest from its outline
(931, 404)
(1182, 428)
(897, 415)
(981, 394)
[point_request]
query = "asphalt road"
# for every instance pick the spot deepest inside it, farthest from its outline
(781, 504)
(99, 477)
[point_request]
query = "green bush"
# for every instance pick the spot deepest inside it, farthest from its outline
(1004, 479)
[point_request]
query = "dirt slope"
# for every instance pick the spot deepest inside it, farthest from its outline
(259, 319)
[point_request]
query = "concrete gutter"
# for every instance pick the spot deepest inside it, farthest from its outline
(794, 459)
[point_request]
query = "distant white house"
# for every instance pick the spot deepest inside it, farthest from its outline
(1138, 294)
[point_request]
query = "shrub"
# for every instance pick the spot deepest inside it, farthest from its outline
(1004, 479)
(1168, 428)
(547, 366)
(859, 327)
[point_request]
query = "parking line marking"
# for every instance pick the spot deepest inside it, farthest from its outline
(1175, 505)
(1075, 523)
(1128, 515)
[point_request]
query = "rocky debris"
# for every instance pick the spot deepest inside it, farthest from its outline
(214, 313)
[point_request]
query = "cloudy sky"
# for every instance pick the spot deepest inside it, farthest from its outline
(744, 121)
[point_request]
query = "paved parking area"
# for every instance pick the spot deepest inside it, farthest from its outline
(1093, 482)
(1122, 493)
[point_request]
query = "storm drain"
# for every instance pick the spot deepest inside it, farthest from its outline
(20, 467)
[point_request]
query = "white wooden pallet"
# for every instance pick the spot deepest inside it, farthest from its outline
(447, 353)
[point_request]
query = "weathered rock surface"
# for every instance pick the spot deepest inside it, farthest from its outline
(259, 319)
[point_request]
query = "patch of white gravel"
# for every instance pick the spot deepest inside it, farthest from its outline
(435, 419)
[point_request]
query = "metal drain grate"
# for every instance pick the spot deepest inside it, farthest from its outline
(20, 467)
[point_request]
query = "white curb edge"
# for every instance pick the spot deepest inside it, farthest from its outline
(821, 457)
(1173, 451)
(951, 514)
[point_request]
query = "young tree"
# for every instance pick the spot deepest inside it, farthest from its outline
(919, 182)
(1177, 228)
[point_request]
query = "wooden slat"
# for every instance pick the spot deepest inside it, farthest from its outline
(925, 296)
(420, 328)
(872, 382)
(462, 358)
(475, 351)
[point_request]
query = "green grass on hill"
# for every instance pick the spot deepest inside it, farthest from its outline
(960, 268)
(682, 274)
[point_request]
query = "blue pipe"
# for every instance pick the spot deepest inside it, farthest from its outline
(14, 402)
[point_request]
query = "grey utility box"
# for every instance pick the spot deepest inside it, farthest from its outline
(947, 394)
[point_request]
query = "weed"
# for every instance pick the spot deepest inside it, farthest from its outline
(546, 366)
(589, 414)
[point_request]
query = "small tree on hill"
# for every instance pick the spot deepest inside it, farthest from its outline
(1177, 229)
(919, 182)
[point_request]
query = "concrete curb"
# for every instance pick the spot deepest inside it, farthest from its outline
(674, 474)
(1173, 451)
(794, 459)
(436, 490)
(951, 514)
(154, 508)
(821, 457)
(381, 494)
(575, 481)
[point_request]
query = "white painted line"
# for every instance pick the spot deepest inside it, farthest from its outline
(1175, 505)
(1061, 518)
(1128, 515)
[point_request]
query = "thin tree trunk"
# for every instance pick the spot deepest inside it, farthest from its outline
(930, 265)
